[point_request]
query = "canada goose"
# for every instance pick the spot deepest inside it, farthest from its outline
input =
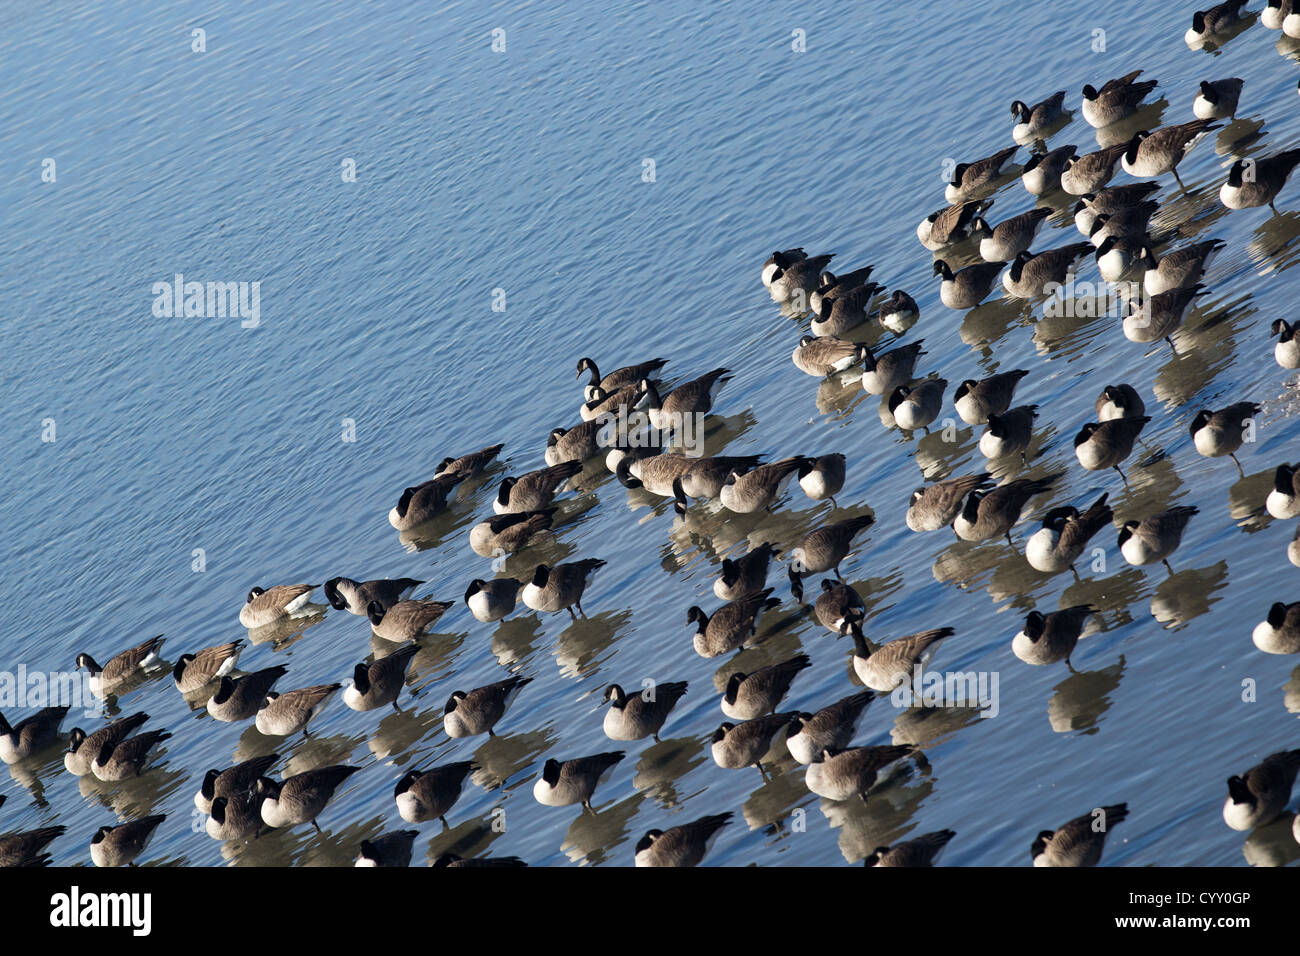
(1159, 316)
(477, 712)
(792, 277)
(574, 444)
(471, 465)
(424, 795)
(833, 285)
(420, 504)
(899, 312)
(851, 773)
(30, 735)
(1217, 99)
(1220, 433)
(561, 587)
(1130, 222)
(452, 861)
(1116, 100)
(987, 514)
(1214, 22)
(405, 620)
(970, 179)
(885, 667)
(1119, 401)
(510, 533)
(1032, 119)
(836, 601)
(1152, 154)
(195, 671)
(231, 781)
(282, 715)
(1287, 350)
(1111, 199)
(120, 845)
(887, 371)
(121, 668)
(84, 747)
(935, 506)
(1293, 555)
(238, 698)
(1291, 25)
(1279, 633)
(1064, 534)
(1079, 842)
(1042, 172)
(1155, 537)
(1261, 794)
(735, 746)
(1119, 256)
(846, 311)
(638, 716)
(1283, 499)
(379, 683)
(920, 851)
(1091, 171)
(743, 576)
(731, 625)
(1034, 274)
(1009, 238)
(751, 695)
(916, 406)
(120, 760)
(300, 798)
(759, 488)
(831, 728)
(821, 477)
(534, 490)
(1178, 268)
(1102, 445)
(27, 848)
(1256, 182)
(704, 477)
(950, 225)
(822, 549)
(1048, 638)
(490, 601)
(696, 397)
(1274, 12)
(604, 405)
(235, 818)
(344, 594)
(391, 849)
(969, 287)
(1008, 433)
(822, 355)
(264, 606)
(680, 846)
(574, 781)
(976, 401)
(620, 377)
(778, 261)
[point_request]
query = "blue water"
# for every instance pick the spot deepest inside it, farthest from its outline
(522, 171)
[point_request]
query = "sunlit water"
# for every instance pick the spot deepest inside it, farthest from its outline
(523, 171)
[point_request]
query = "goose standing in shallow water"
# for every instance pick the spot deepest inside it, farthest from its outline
(743, 576)
(989, 514)
(122, 760)
(680, 846)
(1256, 182)
(758, 693)
(976, 401)
(1261, 794)
(1218, 99)
(696, 397)
(1009, 238)
(469, 466)
(887, 371)
(121, 669)
(355, 597)
(1031, 120)
(852, 773)
(1048, 638)
(565, 783)
(574, 444)
(1156, 537)
(844, 312)
(1090, 172)
(833, 285)
(391, 849)
(935, 506)
(422, 503)
(821, 477)
(283, 715)
(836, 602)
(1178, 268)
(479, 710)
(831, 728)
(120, 845)
(1064, 535)
(899, 312)
(1220, 433)
(1079, 842)
(620, 377)
(1279, 633)
(535, 490)
(1116, 100)
(30, 735)
(490, 601)
(1119, 401)
(510, 533)
(796, 277)
(1287, 350)
(84, 747)
(1111, 199)
(381, 682)
(1035, 274)
(777, 262)
(238, 698)
(885, 667)
(405, 620)
(1152, 154)
(1212, 24)
(759, 488)
(920, 851)
(423, 795)
(917, 406)
(237, 779)
(736, 746)
(264, 606)
(302, 797)
(822, 549)
(823, 355)
(970, 286)
(732, 625)
(638, 716)
(1009, 433)
(560, 588)
(27, 848)
(1274, 13)
(950, 225)
(193, 672)
(1041, 174)
(1283, 499)
(235, 818)
(973, 180)
(1102, 445)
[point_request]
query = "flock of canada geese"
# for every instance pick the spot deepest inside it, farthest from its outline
(1158, 284)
